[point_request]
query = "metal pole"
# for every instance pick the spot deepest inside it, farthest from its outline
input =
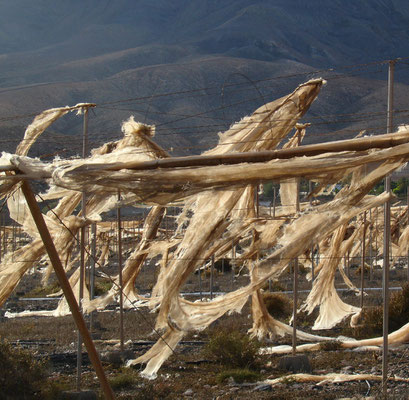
(66, 287)
(257, 201)
(82, 252)
(274, 201)
(407, 224)
(363, 261)
(386, 242)
(233, 254)
(200, 284)
(348, 262)
(92, 270)
(121, 296)
(295, 301)
(312, 263)
(211, 278)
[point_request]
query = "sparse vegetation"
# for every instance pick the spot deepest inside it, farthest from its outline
(332, 345)
(232, 349)
(21, 375)
(102, 287)
(124, 380)
(372, 317)
(43, 291)
(239, 375)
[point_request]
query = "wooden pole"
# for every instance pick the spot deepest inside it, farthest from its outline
(359, 144)
(66, 288)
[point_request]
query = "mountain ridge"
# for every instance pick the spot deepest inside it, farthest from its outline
(54, 54)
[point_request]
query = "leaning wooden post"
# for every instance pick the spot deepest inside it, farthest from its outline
(66, 288)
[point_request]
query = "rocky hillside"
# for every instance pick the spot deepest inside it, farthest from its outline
(223, 58)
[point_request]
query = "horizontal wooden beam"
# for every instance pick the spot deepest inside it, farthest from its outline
(359, 144)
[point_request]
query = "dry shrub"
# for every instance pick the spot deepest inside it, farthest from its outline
(232, 349)
(332, 345)
(239, 375)
(278, 305)
(102, 287)
(275, 286)
(372, 317)
(124, 380)
(21, 376)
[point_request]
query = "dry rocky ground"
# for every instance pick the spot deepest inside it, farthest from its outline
(190, 372)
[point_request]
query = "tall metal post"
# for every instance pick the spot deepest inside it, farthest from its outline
(295, 279)
(257, 201)
(121, 295)
(233, 255)
(310, 189)
(386, 240)
(363, 261)
(82, 251)
(312, 264)
(200, 283)
(211, 277)
(407, 224)
(274, 201)
(92, 271)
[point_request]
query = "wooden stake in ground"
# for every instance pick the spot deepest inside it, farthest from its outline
(66, 288)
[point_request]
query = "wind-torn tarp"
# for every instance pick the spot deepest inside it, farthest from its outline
(219, 209)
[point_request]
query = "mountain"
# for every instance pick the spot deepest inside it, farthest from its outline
(194, 67)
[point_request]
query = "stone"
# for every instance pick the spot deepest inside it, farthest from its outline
(347, 369)
(262, 388)
(117, 357)
(295, 364)
(188, 392)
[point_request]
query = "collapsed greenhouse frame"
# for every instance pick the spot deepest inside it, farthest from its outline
(222, 179)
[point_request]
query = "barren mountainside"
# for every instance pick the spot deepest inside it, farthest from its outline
(241, 53)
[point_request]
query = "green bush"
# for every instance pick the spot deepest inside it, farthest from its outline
(21, 376)
(278, 305)
(239, 375)
(232, 349)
